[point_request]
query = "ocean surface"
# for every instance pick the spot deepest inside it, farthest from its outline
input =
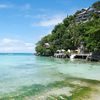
(25, 70)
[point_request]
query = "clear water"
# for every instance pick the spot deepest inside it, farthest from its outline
(18, 70)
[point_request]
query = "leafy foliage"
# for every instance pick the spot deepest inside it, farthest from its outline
(69, 34)
(96, 5)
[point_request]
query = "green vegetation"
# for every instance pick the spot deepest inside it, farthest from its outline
(79, 92)
(69, 34)
(96, 5)
(26, 91)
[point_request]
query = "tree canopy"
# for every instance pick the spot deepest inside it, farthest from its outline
(69, 34)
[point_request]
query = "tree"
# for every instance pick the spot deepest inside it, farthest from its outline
(69, 34)
(96, 5)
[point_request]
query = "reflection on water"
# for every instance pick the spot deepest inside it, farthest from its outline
(17, 71)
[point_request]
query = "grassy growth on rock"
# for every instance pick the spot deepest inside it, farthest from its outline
(80, 91)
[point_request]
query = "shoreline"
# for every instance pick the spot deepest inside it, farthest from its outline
(92, 60)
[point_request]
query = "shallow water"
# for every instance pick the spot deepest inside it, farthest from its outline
(20, 70)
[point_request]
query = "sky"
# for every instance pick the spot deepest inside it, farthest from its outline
(24, 22)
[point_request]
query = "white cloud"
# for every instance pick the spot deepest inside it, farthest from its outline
(26, 7)
(37, 16)
(50, 21)
(13, 45)
(4, 6)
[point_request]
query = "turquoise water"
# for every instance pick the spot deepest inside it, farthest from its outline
(23, 70)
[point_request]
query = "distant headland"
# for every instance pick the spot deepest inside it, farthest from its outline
(78, 33)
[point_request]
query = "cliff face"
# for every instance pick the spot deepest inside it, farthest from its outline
(83, 26)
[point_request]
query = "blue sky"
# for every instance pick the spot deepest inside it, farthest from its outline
(24, 22)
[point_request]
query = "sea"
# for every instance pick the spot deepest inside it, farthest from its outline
(23, 73)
